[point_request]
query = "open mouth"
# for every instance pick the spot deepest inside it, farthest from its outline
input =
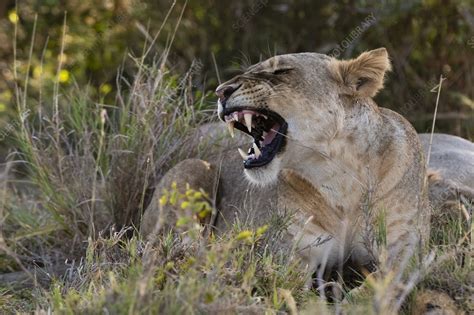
(267, 128)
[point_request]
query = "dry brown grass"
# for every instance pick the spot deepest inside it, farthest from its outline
(74, 191)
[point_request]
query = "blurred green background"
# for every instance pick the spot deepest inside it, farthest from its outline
(425, 39)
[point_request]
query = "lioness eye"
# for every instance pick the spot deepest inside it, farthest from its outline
(281, 71)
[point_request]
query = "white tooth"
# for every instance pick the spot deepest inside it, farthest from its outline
(248, 121)
(242, 154)
(235, 115)
(257, 150)
(230, 126)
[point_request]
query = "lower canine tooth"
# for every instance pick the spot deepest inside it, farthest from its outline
(230, 126)
(257, 150)
(248, 121)
(242, 154)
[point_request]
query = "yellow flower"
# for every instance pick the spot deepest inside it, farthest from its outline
(3, 107)
(37, 72)
(204, 213)
(163, 200)
(105, 88)
(13, 17)
(63, 76)
(261, 230)
(244, 235)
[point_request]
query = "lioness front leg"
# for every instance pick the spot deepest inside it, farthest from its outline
(407, 231)
(191, 173)
(398, 241)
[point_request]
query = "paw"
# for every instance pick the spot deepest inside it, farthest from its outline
(431, 302)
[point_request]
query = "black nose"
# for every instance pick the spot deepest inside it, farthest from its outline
(225, 92)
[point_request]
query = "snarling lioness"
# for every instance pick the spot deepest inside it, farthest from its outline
(320, 146)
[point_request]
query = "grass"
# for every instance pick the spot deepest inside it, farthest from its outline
(74, 191)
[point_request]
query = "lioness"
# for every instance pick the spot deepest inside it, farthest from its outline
(320, 147)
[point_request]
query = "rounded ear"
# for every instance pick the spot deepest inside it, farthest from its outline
(364, 75)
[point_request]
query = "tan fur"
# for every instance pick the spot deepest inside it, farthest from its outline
(347, 163)
(370, 66)
(303, 196)
(433, 175)
(434, 303)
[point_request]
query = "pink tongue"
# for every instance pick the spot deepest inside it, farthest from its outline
(271, 134)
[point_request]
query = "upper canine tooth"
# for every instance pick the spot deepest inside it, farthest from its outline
(248, 121)
(230, 127)
(242, 154)
(257, 150)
